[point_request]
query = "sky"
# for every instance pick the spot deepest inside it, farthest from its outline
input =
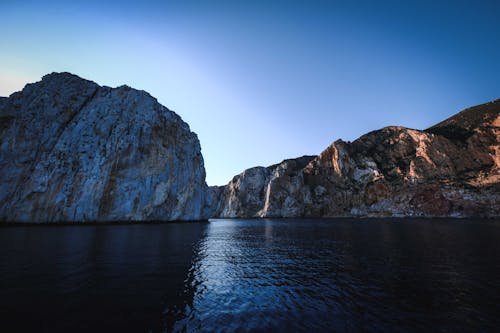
(262, 81)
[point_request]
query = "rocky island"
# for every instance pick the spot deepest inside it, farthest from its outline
(71, 150)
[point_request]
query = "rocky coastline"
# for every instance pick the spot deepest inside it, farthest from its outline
(74, 151)
(451, 169)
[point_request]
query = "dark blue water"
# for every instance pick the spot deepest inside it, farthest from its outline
(252, 275)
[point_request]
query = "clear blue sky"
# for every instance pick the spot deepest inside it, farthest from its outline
(261, 81)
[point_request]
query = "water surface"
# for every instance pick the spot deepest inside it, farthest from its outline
(338, 275)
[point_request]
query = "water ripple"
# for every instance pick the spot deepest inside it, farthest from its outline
(284, 276)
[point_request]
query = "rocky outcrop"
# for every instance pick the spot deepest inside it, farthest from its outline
(450, 169)
(71, 150)
(259, 190)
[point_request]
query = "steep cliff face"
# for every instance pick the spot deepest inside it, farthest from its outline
(259, 190)
(71, 150)
(450, 169)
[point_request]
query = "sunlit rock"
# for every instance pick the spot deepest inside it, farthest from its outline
(450, 169)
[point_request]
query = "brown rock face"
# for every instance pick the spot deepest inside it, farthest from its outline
(450, 169)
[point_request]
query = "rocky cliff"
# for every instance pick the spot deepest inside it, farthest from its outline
(259, 190)
(71, 150)
(450, 169)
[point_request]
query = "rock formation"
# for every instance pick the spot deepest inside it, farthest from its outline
(259, 190)
(71, 150)
(450, 169)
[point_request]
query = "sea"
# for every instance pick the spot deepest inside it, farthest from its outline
(253, 275)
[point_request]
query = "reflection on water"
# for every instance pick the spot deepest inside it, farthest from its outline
(344, 276)
(252, 275)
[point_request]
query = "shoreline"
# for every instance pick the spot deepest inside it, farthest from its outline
(9, 224)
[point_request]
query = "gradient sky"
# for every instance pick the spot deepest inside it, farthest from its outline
(261, 81)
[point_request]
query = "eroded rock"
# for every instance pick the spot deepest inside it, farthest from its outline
(72, 150)
(450, 169)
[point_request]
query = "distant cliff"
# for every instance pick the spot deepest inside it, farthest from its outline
(450, 169)
(71, 150)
